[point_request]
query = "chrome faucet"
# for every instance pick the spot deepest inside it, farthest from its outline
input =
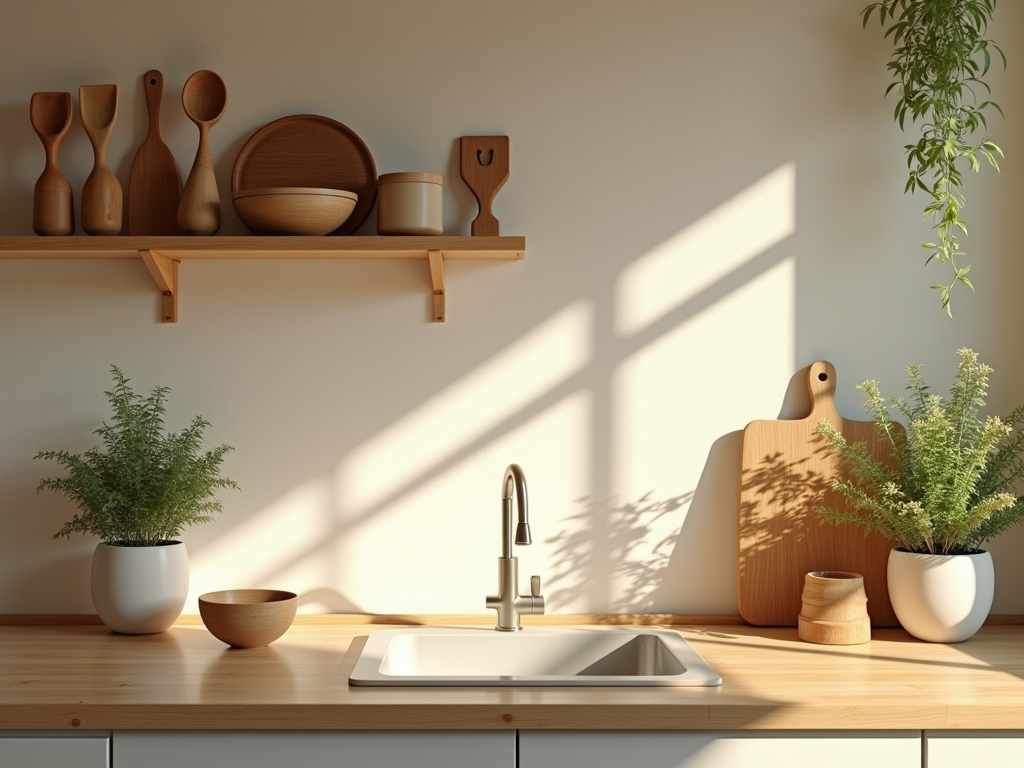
(507, 603)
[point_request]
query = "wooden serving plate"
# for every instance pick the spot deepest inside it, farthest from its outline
(309, 151)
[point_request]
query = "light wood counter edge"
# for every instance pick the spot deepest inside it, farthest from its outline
(433, 716)
(777, 701)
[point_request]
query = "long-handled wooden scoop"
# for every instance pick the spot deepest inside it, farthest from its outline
(102, 199)
(204, 98)
(154, 189)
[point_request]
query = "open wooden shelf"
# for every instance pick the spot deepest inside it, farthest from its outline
(163, 254)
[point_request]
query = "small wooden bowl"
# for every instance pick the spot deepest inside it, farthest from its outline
(293, 210)
(248, 618)
(834, 609)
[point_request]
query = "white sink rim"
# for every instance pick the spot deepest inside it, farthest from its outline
(370, 667)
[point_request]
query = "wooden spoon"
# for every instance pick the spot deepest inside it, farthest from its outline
(204, 98)
(102, 198)
(53, 209)
(154, 189)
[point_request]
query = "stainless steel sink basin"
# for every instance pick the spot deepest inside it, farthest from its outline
(436, 656)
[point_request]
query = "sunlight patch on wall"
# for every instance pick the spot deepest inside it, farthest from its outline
(681, 267)
(283, 546)
(435, 549)
(426, 437)
(673, 399)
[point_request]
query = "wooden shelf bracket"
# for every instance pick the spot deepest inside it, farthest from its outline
(437, 280)
(162, 254)
(164, 270)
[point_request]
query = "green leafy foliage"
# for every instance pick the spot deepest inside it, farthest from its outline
(940, 57)
(148, 485)
(950, 484)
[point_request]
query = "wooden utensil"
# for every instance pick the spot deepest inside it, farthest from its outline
(484, 168)
(53, 206)
(204, 98)
(784, 476)
(154, 188)
(309, 151)
(102, 198)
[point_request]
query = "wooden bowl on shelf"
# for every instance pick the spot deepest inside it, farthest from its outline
(293, 210)
(248, 618)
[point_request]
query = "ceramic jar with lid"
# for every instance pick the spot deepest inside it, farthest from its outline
(409, 204)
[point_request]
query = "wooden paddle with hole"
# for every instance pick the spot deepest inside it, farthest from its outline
(484, 168)
(784, 475)
(154, 189)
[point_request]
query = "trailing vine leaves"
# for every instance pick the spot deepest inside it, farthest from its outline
(940, 57)
(149, 484)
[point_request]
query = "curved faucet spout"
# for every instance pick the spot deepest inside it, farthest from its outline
(508, 603)
(514, 481)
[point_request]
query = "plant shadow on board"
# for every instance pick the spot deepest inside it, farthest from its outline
(639, 555)
(791, 489)
(793, 492)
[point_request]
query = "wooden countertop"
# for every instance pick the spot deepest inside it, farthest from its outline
(85, 677)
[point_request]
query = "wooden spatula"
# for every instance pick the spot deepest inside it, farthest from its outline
(154, 189)
(484, 168)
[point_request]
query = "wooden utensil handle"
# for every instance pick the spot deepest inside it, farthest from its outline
(154, 85)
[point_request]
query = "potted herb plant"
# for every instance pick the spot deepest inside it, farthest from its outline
(941, 55)
(136, 496)
(946, 490)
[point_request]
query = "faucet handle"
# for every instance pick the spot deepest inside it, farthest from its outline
(535, 586)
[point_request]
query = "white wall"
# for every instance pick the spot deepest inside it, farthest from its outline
(712, 199)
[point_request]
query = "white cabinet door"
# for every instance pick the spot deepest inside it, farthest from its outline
(720, 749)
(314, 749)
(49, 750)
(961, 749)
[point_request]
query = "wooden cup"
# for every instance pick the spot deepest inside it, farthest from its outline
(834, 609)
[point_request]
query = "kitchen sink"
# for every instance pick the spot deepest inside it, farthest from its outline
(470, 656)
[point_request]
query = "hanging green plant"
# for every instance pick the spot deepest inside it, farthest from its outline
(941, 55)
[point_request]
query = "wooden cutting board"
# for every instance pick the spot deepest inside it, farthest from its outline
(784, 476)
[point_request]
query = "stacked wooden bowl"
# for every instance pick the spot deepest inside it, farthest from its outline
(304, 175)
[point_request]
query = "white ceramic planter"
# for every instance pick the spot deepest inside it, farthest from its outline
(941, 598)
(139, 590)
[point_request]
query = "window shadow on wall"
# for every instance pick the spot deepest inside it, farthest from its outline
(609, 409)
